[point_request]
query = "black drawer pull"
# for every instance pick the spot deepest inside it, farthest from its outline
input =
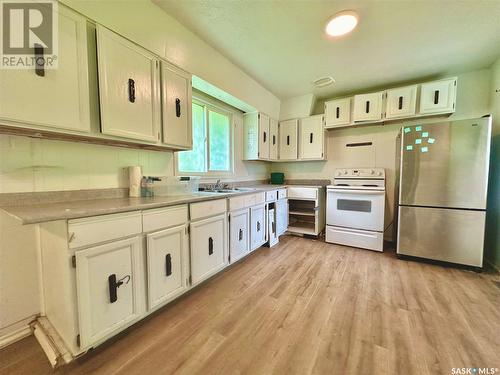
(168, 265)
(400, 104)
(274, 140)
(39, 61)
(240, 235)
(210, 245)
(288, 140)
(131, 90)
(177, 107)
(273, 227)
(311, 138)
(338, 112)
(114, 284)
(367, 107)
(436, 97)
(258, 226)
(265, 137)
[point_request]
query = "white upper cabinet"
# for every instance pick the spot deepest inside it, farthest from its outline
(57, 98)
(368, 107)
(109, 287)
(288, 139)
(128, 88)
(438, 96)
(256, 136)
(263, 136)
(338, 113)
(311, 138)
(401, 102)
(176, 107)
(273, 139)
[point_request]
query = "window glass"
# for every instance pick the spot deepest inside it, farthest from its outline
(219, 139)
(195, 160)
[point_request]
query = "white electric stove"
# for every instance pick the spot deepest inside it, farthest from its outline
(355, 208)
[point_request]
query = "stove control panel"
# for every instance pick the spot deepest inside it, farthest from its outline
(378, 173)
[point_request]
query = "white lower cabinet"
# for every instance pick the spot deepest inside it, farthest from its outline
(271, 227)
(281, 216)
(257, 226)
(238, 234)
(110, 289)
(208, 247)
(167, 258)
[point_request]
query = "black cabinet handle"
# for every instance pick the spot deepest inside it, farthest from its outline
(168, 265)
(274, 140)
(436, 97)
(273, 227)
(258, 226)
(114, 284)
(367, 107)
(39, 60)
(338, 112)
(177, 107)
(240, 235)
(210, 245)
(311, 138)
(400, 104)
(131, 90)
(265, 137)
(288, 140)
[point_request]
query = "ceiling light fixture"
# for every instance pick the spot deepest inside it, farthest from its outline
(342, 23)
(323, 81)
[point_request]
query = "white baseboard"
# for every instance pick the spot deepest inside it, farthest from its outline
(15, 332)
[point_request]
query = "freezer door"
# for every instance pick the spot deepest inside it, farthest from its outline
(455, 236)
(445, 164)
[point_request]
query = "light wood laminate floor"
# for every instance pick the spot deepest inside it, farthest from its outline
(306, 307)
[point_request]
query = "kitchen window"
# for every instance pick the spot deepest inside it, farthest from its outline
(212, 152)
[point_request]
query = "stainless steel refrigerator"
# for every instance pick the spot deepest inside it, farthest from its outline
(443, 180)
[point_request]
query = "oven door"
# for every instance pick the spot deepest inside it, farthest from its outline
(358, 209)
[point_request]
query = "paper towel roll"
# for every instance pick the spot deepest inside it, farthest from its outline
(135, 176)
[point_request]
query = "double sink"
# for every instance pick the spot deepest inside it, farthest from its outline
(227, 191)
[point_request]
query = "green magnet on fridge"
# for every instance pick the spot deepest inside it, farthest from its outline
(418, 128)
(424, 149)
(418, 141)
(407, 130)
(425, 134)
(431, 140)
(409, 147)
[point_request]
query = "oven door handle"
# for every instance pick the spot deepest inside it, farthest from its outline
(360, 192)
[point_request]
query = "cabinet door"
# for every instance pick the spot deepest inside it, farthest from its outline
(438, 96)
(311, 138)
(401, 102)
(281, 216)
(238, 234)
(208, 247)
(128, 88)
(338, 113)
(368, 107)
(273, 139)
(257, 226)
(109, 287)
(271, 227)
(176, 107)
(263, 136)
(288, 131)
(167, 260)
(60, 99)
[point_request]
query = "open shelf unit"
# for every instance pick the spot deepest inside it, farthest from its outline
(306, 213)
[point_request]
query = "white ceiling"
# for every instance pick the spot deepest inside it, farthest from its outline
(282, 45)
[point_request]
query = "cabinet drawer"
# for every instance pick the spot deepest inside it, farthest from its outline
(237, 203)
(271, 196)
(205, 209)
(88, 231)
(302, 192)
(164, 218)
(281, 193)
(255, 199)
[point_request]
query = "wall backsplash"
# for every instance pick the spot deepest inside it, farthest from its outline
(30, 164)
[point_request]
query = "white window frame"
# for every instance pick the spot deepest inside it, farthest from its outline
(211, 174)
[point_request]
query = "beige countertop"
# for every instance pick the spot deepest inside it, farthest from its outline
(43, 212)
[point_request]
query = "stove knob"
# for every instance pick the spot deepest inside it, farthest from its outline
(345, 172)
(379, 173)
(372, 171)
